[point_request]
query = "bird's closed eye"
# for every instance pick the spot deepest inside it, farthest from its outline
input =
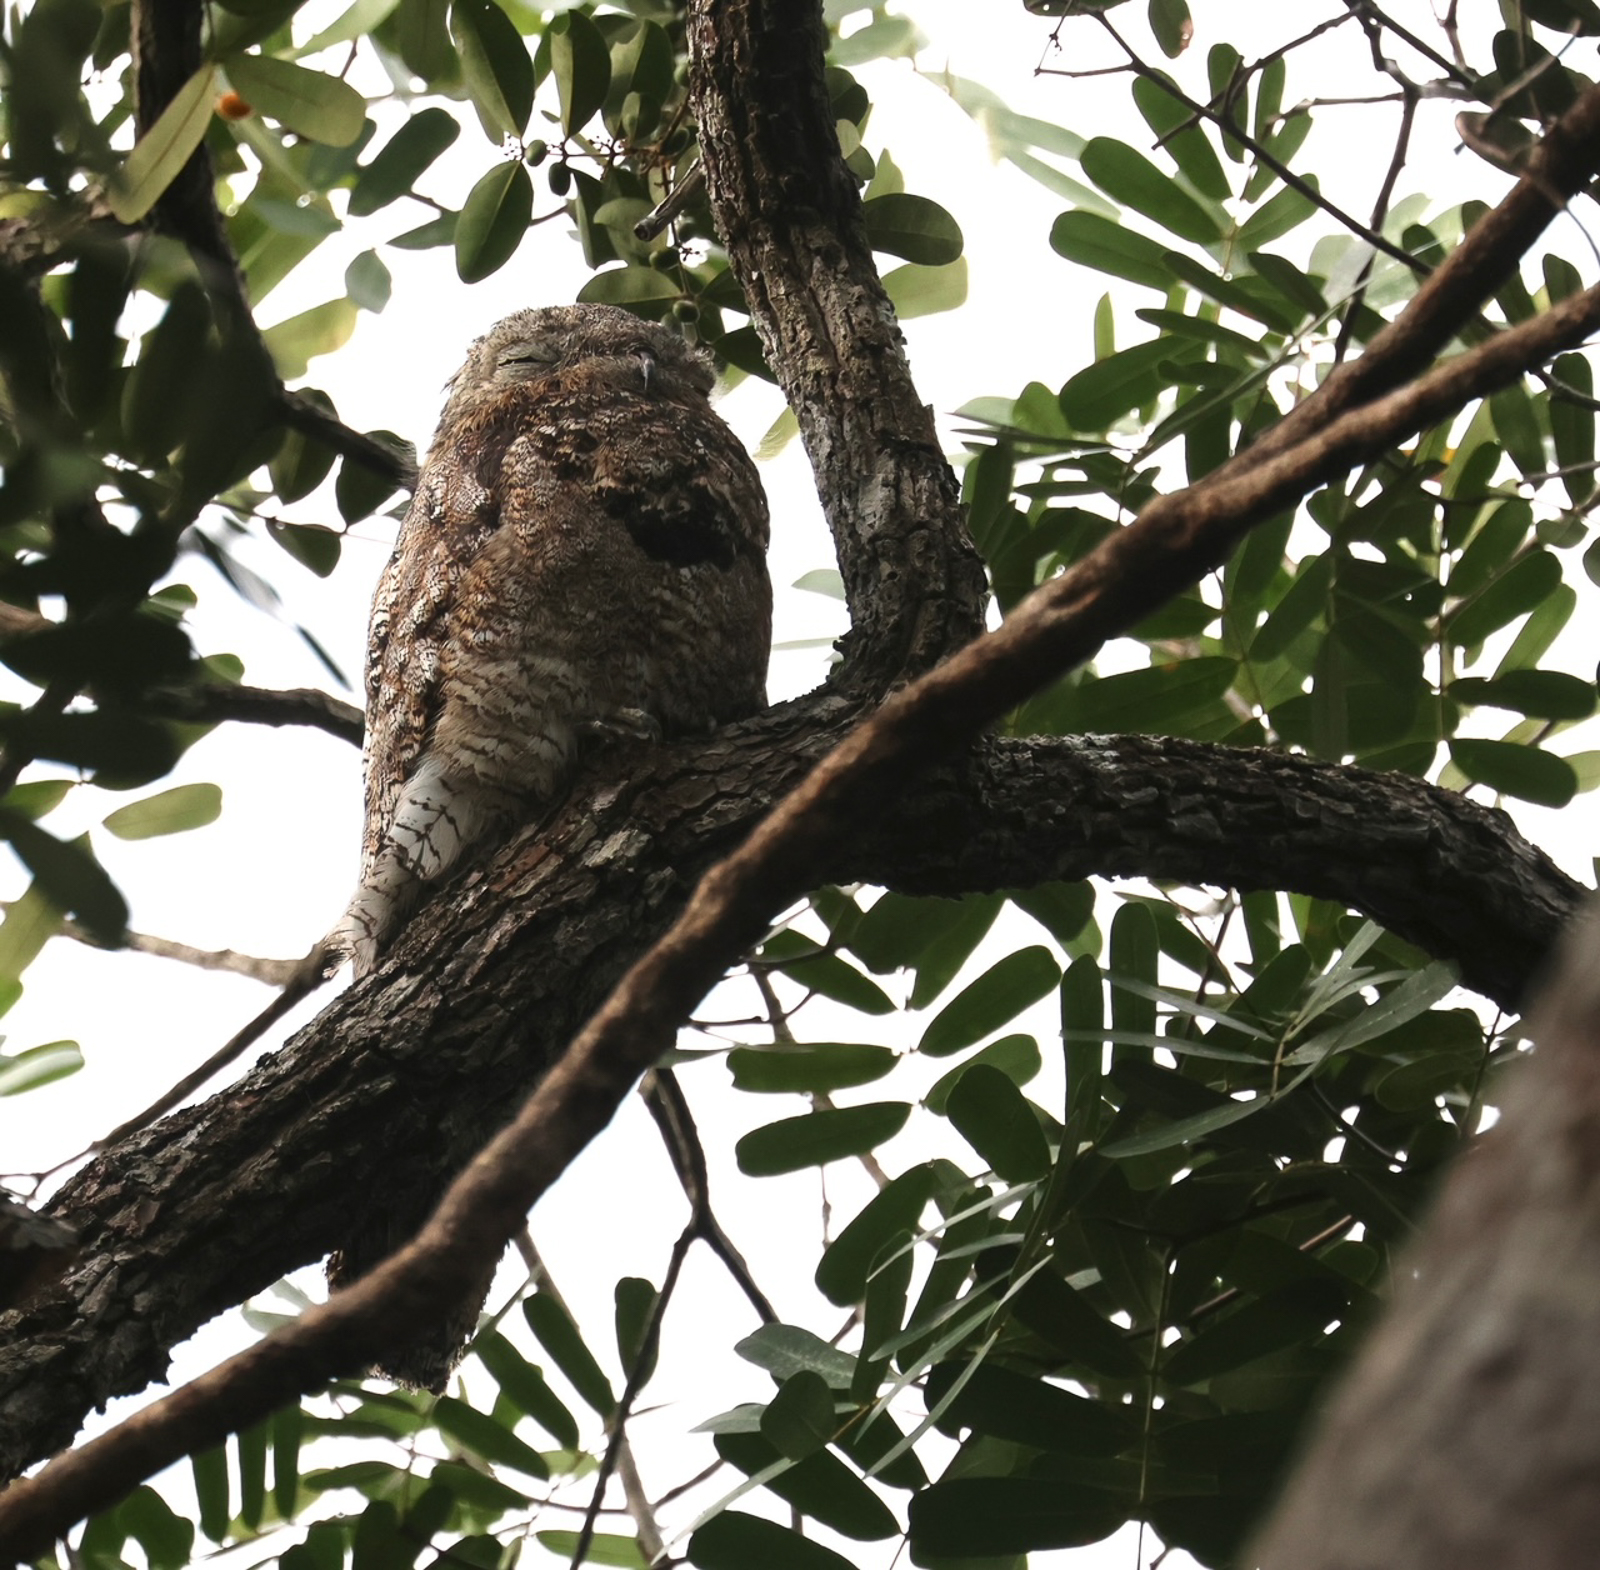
(529, 354)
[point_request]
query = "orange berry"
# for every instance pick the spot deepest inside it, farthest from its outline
(232, 107)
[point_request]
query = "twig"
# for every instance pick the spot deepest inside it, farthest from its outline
(209, 702)
(274, 972)
(668, 1105)
(305, 977)
(643, 1366)
(671, 204)
(1380, 210)
(1262, 154)
(1367, 12)
(639, 1509)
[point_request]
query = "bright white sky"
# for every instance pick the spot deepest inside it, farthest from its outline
(276, 870)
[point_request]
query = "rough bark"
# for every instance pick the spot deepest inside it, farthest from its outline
(790, 215)
(433, 1053)
(1468, 1433)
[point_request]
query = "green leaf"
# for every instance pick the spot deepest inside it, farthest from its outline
(558, 1335)
(999, 1122)
(251, 1444)
(1184, 141)
(323, 329)
(210, 1468)
(20, 1071)
(814, 1069)
(1517, 426)
(164, 149)
(827, 974)
(165, 1536)
(605, 1548)
(783, 1350)
(495, 65)
(1095, 398)
(925, 291)
(816, 1138)
(1017, 1057)
(996, 997)
(169, 812)
(524, 1386)
(629, 286)
(581, 65)
(70, 877)
(1514, 593)
(318, 107)
(1185, 1130)
(30, 923)
(635, 1301)
(1572, 426)
(1514, 770)
(288, 1426)
(799, 1420)
(1029, 1411)
(1284, 1318)
(821, 1486)
(964, 1517)
(735, 1541)
(36, 798)
(912, 227)
(1159, 699)
(402, 160)
(1107, 247)
(1547, 695)
(846, 1263)
(492, 221)
(1128, 177)
(1172, 26)
(479, 1433)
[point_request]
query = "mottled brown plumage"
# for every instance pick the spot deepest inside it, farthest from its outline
(585, 552)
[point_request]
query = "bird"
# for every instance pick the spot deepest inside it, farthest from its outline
(584, 555)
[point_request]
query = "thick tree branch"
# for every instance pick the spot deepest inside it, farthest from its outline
(220, 1200)
(790, 215)
(1439, 870)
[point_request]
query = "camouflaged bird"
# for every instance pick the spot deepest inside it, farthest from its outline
(585, 553)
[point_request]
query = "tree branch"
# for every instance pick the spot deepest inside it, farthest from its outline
(790, 215)
(211, 702)
(484, 989)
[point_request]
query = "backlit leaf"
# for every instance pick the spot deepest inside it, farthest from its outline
(309, 103)
(169, 812)
(164, 149)
(816, 1138)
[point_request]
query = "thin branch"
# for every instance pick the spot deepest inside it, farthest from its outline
(1263, 154)
(396, 464)
(208, 703)
(638, 1376)
(274, 972)
(304, 977)
(1367, 12)
(668, 1105)
(1380, 210)
(639, 1507)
